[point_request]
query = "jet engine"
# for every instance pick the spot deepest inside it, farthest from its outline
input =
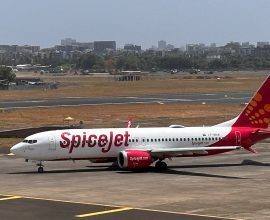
(134, 159)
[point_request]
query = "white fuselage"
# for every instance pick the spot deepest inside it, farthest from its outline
(107, 143)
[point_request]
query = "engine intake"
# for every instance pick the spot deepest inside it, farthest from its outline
(134, 159)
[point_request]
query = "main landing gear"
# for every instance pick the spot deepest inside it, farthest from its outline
(160, 165)
(40, 167)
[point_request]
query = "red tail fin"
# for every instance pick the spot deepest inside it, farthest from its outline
(257, 112)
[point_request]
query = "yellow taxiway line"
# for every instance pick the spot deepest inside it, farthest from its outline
(103, 212)
(11, 197)
(121, 207)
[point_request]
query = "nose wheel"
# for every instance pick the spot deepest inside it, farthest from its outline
(40, 170)
(40, 167)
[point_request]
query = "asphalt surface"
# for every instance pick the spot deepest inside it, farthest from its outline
(20, 208)
(221, 97)
(232, 185)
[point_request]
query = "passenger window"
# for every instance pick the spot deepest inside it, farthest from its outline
(169, 139)
(173, 139)
(162, 139)
(34, 141)
(176, 139)
(147, 140)
(151, 140)
(180, 139)
(184, 139)
(188, 139)
(25, 141)
(158, 140)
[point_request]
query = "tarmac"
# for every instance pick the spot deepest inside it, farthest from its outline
(221, 97)
(234, 185)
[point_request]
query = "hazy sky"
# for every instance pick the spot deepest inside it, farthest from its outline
(143, 22)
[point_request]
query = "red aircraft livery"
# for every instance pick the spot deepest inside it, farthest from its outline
(104, 141)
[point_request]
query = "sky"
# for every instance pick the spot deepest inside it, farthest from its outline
(142, 22)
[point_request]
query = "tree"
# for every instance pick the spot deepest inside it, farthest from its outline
(7, 74)
(89, 61)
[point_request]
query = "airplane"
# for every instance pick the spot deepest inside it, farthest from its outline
(138, 148)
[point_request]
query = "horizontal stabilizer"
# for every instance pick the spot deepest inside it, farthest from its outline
(262, 131)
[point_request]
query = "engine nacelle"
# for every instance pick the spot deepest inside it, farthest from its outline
(134, 159)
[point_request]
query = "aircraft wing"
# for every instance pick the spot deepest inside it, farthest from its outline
(188, 150)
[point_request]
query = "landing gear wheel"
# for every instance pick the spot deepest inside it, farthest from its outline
(40, 170)
(160, 165)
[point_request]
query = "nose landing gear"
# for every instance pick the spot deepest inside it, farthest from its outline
(40, 167)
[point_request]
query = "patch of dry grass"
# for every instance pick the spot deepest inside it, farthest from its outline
(114, 115)
(89, 86)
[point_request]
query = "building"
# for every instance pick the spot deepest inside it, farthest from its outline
(104, 46)
(262, 44)
(27, 49)
(169, 47)
(132, 48)
(263, 51)
(162, 45)
(68, 42)
(83, 46)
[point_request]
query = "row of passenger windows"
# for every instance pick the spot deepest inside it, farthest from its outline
(30, 141)
(176, 139)
(163, 139)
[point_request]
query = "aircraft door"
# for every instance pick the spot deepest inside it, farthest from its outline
(238, 138)
(52, 144)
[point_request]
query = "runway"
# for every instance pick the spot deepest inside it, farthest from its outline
(221, 97)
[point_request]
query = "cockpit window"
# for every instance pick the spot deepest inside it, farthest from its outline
(30, 141)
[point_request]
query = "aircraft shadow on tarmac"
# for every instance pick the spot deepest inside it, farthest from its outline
(90, 170)
(243, 163)
(171, 169)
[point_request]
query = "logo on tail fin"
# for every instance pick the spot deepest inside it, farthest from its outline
(257, 112)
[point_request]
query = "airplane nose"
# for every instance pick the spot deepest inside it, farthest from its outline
(17, 149)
